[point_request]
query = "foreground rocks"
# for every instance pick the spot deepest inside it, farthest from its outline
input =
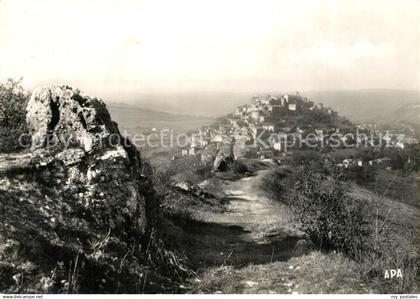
(79, 208)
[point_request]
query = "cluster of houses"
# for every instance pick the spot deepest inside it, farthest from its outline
(384, 163)
(268, 110)
(263, 119)
(273, 121)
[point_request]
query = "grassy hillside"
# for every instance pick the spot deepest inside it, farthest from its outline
(407, 114)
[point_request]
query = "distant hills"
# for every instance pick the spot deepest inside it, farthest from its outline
(136, 119)
(366, 105)
(149, 114)
(357, 105)
(407, 114)
(200, 104)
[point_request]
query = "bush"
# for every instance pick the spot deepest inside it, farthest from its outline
(306, 157)
(13, 101)
(361, 175)
(327, 215)
(272, 182)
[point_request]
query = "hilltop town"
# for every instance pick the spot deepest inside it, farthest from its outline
(269, 119)
(274, 127)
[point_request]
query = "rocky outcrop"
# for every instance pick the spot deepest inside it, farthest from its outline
(87, 156)
(223, 158)
(77, 211)
(61, 116)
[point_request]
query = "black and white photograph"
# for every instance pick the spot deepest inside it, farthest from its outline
(209, 147)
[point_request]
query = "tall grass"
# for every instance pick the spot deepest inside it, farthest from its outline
(378, 233)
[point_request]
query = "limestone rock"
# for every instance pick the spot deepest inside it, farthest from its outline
(87, 154)
(61, 116)
(84, 195)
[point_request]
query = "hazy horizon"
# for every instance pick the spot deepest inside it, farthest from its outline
(359, 105)
(124, 48)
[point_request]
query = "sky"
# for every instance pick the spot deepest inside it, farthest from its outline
(158, 46)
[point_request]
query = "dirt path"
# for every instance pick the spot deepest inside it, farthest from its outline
(253, 231)
(253, 248)
(266, 220)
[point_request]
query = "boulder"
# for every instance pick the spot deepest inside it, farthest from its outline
(59, 116)
(223, 158)
(87, 156)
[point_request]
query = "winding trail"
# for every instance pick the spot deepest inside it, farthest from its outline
(253, 248)
(253, 230)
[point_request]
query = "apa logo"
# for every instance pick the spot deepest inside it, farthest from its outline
(392, 273)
